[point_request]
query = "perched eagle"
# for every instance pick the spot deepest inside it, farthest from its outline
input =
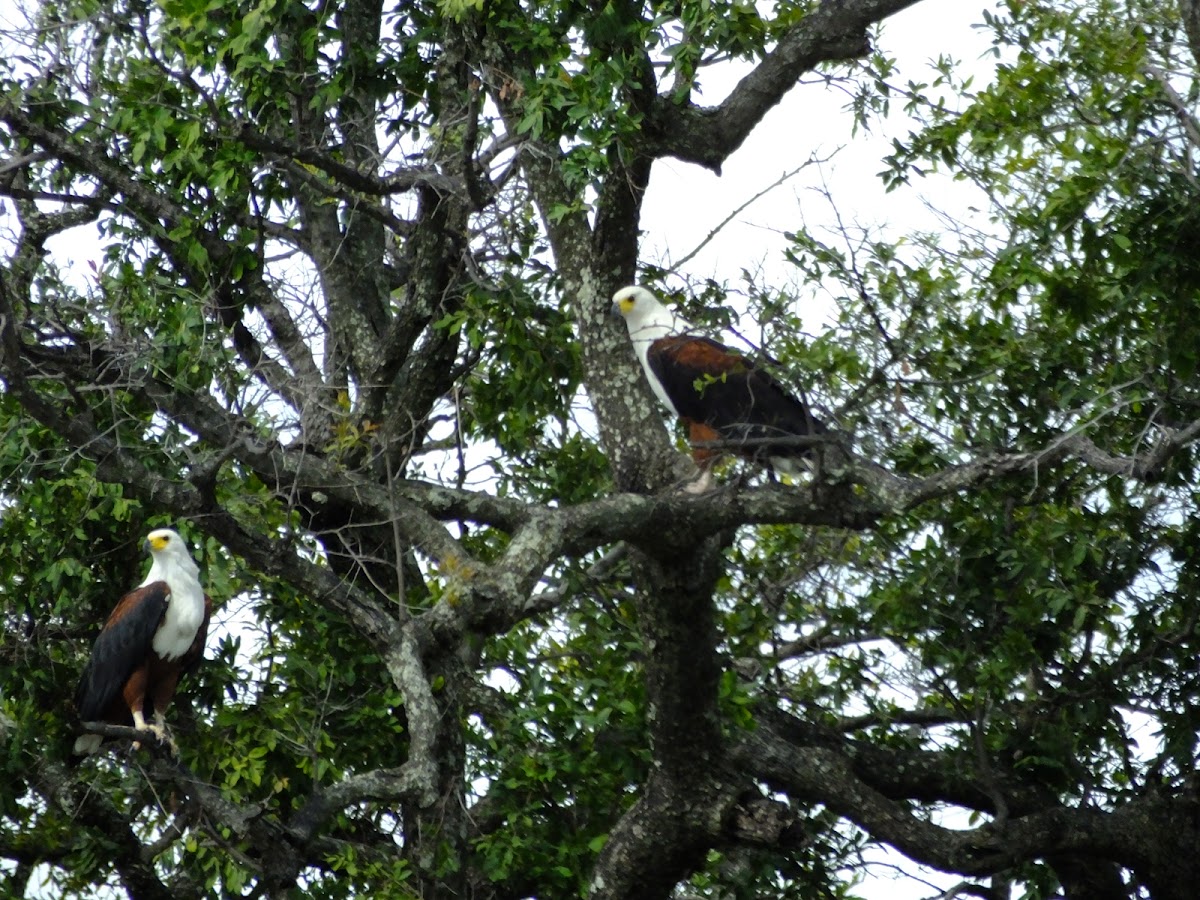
(154, 634)
(720, 394)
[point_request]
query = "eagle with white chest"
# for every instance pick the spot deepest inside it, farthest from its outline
(721, 395)
(153, 635)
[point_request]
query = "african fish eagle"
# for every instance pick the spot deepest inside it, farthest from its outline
(718, 393)
(152, 636)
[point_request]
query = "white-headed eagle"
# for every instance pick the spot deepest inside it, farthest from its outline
(719, 394)
(152, 636)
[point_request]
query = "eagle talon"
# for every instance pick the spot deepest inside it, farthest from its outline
(161, 735)
(164, 735)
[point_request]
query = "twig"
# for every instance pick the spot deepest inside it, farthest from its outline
(784, 440)
(739, 210)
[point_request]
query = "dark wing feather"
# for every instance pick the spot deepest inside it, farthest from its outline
(121, 647)
(715, 386)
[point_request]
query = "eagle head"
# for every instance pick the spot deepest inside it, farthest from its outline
(633, 301)
(162, 539)
(169, 556)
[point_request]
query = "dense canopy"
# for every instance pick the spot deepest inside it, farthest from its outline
(347, 329)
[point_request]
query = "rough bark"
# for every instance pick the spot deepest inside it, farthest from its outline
(1189, 10)
(703, 787)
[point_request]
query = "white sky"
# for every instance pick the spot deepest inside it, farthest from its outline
(685, 202)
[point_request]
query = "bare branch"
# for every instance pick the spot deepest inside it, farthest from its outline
(708, 238)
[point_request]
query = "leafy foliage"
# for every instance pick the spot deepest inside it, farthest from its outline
(347, 330)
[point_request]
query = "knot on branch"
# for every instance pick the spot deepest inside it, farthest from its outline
(767, 823)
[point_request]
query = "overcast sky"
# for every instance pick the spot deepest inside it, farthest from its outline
(685, 202)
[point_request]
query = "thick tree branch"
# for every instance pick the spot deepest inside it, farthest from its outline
(540, 535)
(362, 182)
(835, 31)
(686, 801)
(874, 790)
(661, 839)
(415, 779)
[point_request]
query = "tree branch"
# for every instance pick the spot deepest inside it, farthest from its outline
(873, 787)
(162, 215)
(835, 31)
(126, 852)
(414, 780)
(362, 182)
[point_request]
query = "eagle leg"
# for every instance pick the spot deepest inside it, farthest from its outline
(158, 728)
(705, 458)
(164, 734)
(139, 722)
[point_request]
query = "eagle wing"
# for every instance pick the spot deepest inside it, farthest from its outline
(122, 645)
(709, 384)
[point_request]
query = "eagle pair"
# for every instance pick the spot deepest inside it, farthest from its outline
(726, 401)
(158, 630)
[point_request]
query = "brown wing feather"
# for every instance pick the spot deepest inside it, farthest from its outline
(712, 385)
(701, 353)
